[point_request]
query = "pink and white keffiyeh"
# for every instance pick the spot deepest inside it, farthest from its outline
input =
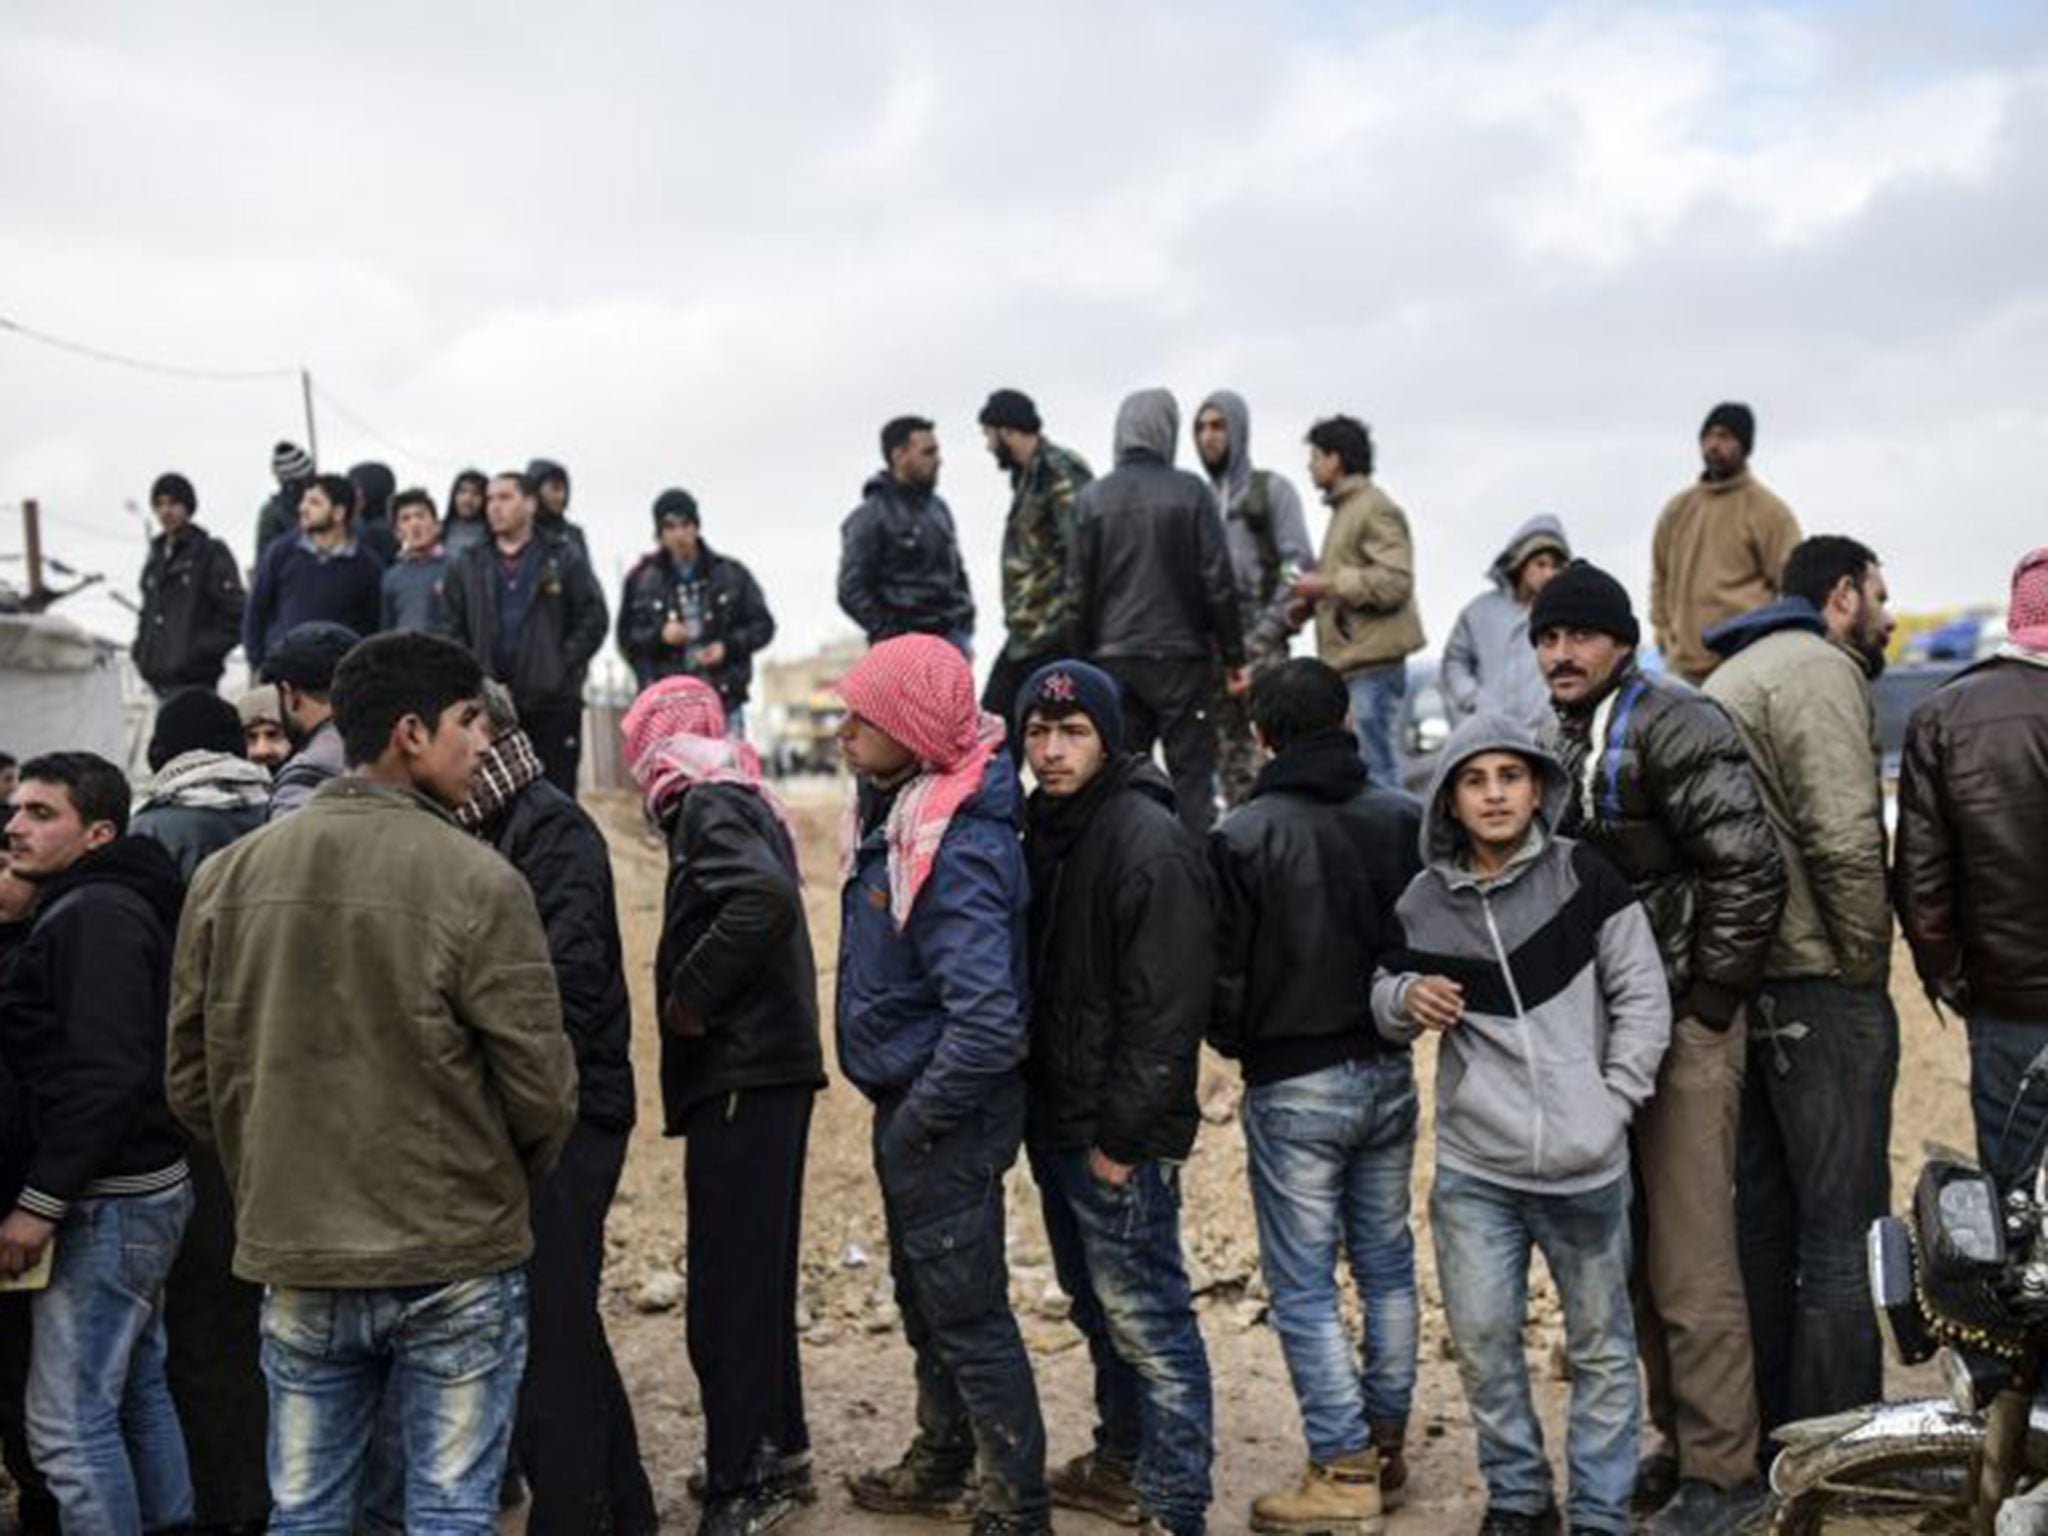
(675, 740)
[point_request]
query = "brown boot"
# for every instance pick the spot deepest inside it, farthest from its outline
(1388, 1438)
(1098, 1485)
(1341, 1499)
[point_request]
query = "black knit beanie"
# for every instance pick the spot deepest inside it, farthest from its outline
(674, 503)
(1738, 418)
(1010, 408)
(178, 488)
(1075, 685)
(194, 720)
(1582, 596)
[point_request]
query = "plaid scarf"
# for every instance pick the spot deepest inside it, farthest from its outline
(675, 740)
(505, 770)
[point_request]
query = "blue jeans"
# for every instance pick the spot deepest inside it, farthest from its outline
(1117, 1254)
(101, 1424)
(1376, 695)
(2012, 1127)
(453, 1355)
(1483, 1235)
(1330, 1155)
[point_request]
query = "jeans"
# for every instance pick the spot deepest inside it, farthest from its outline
(1117, 1253)
(1376, 695)
(943, 1202)
(100, 1420)
(2012, 1127)
(453, 1355)
(1483, 1235)
(1812, 1173)
(1330, 1154)
(1166, 699)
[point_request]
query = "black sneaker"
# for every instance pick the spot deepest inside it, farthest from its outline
(922, 1483)
(1513, 1522)
(1656, 1483)
(1701, 1509)
(746, 1514)
(782, 1471)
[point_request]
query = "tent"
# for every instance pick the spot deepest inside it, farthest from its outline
(60, 689)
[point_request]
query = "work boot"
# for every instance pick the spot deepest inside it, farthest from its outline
(1512, 1522)
(1656, 1482)
(1340, 1499)
(746, 1514)
(1701, 1509)
(1389, 1436)
(922, 1483)
(1097, 1485)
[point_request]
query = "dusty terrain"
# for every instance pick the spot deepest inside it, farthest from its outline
(857, 1368)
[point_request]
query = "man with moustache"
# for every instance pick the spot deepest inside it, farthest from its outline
(899, 558)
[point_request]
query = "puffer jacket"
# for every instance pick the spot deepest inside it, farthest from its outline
(1150, 573)
(1489, 664)
(564, 627)
(1972, 839)
(1803, 706)
(1370, 617)
(735, 949)
(736, 616)
(1121, 966)
(1566, 1012)
(900, 571)
(1661, 784)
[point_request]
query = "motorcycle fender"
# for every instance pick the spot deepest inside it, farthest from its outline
(1811, 1443)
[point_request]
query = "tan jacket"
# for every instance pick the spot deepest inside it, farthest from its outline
(1803, 707)
(1369, 618)
(1719, 550)
(364, 1018)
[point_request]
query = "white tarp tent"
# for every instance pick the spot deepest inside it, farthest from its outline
(60, 689)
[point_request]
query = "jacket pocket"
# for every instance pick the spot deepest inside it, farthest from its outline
(1487, 1113)
(956, 1273)
(1586, 1119)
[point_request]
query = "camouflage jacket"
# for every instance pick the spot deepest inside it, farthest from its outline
(1035, 542)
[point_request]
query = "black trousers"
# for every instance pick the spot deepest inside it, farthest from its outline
(743, 1178)
(574, 1436)
(1006, 679)
(1167, 698)
(557, 734)
(213, 1325)
(38, 1508)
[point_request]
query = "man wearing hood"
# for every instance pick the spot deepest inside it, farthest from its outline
(1813, 1170)
(293, 469)
(1530, 958)
(1046, 481)
(1719, 546)
(375, 483)
(1120, 983)
(550, 482)
(899, 558)
(688, 611)
(465, 527)
(1663, 788)
(192, 596)
(1307, 874)
(1269, 547)
(302, 670)
(83, 1002)
(1488, 662)
(1154, 600)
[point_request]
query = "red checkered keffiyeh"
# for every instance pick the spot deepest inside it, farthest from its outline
(919, 689)
(675, 740)
(2026, 622)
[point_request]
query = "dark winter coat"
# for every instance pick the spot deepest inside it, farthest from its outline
(1307, 872)
(188, 833)
(1972, 840)
(899, 564)
(554, 844)
(564, 627)
(1662, 785)
(192, 603)
(1120, 970)
(296, 584)
(84, 1000)
(736, 951)
(735, 615)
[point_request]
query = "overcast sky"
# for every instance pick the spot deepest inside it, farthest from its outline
(716, 246)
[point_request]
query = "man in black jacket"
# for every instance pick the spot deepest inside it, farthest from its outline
(1307, 873)
(1155, 600)
(83, 1008)
(528, 608)
(192, 596)
(574, 1436)
(1663, 787)
(899, 557)
(688, 611)
(1120, 990)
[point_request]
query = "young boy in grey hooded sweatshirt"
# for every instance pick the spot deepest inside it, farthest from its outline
(1531, 958)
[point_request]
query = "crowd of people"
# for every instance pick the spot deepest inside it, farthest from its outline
(317, 1048)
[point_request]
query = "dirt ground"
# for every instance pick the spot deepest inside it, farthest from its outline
(856, 1367)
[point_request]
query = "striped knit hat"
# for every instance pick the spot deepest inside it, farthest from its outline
(290, 463)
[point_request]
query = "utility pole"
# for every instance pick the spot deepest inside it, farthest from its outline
(312, 433)
(32, 551)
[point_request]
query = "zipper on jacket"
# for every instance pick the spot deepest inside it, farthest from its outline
(1500, 954)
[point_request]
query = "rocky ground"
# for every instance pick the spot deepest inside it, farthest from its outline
(857, 1368)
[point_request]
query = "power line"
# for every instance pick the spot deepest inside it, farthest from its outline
(146, 365)
(326, 396)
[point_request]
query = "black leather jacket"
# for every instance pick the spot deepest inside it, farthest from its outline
(1150, 571)
(899, 565)
(736, 616)
(564, 628)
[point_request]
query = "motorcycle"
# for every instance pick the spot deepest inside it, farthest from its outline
(1963, 1276)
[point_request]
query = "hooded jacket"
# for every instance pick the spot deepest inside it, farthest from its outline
(201, 801)
(1489, 665)
(1263, 527)
(735, 615)
(1307, 872)
(1803, 706)
(1370, 618)
(1719, 551)
(1150, 573)
(375, 485)
(1120, 968)
(1566, 1010)
(555, 525)
(565, 624)
(192, 603)
(1661, 784)
(900, 571)
(83, 998)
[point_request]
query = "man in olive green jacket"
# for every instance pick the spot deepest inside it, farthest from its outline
(364, 1018)
(1367, 625)
(1811, 1162)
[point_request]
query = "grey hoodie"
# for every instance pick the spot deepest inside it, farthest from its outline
(1147, 426)
(1265, 622)
(1567, 1011)
(1489, 664)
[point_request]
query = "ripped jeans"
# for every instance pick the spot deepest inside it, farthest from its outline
(453, 1354)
